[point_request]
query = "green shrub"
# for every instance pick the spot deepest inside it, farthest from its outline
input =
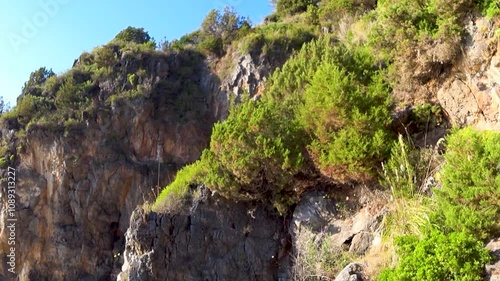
(348, 118)
(470, 198)
(51, 85)
(4, 162)
(30, 108)
(456, 256)
(334, 11)
(276, 40)
(105, 56)
(490, 8)
(254, 155)
(426, 116)
(35, 83)
(290, 7)
(288, 83)
(132, 34)
(174, 194)
(71, 94)
(211, 45)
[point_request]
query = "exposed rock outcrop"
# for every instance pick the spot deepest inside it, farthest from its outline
(471, 94)
(217, 240)
(317, 216)
(352, 272)
(493, 269)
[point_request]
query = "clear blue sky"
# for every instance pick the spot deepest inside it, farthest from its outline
(53, 33)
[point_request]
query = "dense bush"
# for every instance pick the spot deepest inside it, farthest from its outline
(490, 8)
(333, 11)
(276, 40)
(254, 154)
(290, 7)
(224, 25)
(218, 30)
(72, 94)
(456, 256)
(342, 101)
(470, 198)
(288, 83)
(28, 108)
(419, 37)
(35, 82)
(348, 122)
(133, 34)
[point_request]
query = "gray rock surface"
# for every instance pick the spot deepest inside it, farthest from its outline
(352, 272)
(493, 269)
(217, 240)
(471, 95)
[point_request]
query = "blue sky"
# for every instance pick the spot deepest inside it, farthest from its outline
(53, 33)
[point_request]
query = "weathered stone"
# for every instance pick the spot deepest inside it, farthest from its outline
(361, 243)
(352, 272)
(471, 95)
(217, 240)
(314, 212)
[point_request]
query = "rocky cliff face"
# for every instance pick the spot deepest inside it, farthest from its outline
(77, 187)
(215, 240)
(471, 94)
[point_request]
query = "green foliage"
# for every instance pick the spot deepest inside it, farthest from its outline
(213, 45)
(105, 56)
(218, 30)
(290, 7)
(132, 34)
(331, 12)
(276, 40)
(254, 155)
(225, 25)
(342, 101)
(51, 85)
(187, 41)
(455, 256)
(419, 37)
(346, 110)
(489, 8)
(29, 107)
(175, 193)
(4, 162)
(426, 116)
(470, 198)
(349, 124)
(34, 85)
(5, 159)
(287, 84)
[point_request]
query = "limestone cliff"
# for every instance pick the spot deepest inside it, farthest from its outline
(77, 187)
(471, 94)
